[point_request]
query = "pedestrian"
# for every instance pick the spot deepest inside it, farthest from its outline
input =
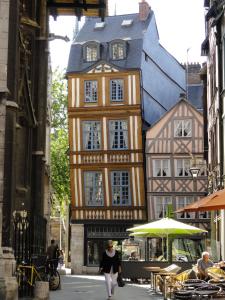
(61, 259)
(202, 265)
(52, 257)
(110, 265)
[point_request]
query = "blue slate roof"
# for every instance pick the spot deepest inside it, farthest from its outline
(133, 61)
(163, 77)
(195, 95)
(113, 29)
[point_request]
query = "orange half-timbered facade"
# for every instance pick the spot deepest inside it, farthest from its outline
(114, 80)
(106, 155)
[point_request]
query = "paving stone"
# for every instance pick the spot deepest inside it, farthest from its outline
(90, 287)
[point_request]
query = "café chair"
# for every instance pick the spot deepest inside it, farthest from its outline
(207, 290)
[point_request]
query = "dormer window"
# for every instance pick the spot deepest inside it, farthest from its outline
(91, 52)
(118, 50)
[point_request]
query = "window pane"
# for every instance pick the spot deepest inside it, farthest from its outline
(90, 91)
(182, 202)
(91, 135)
(118, 134)
(116, 90)
(93, 188)
(161, 205)
(120, 188)
(118, 51)
(183, 167)
(161, 167)
(182, 128)
(187, 128)
(178, 128)
(91, 53)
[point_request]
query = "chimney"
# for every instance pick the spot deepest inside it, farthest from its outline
(144, 10)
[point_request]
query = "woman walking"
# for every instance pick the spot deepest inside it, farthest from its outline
(110, 265)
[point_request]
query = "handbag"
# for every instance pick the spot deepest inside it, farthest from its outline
(120, 281)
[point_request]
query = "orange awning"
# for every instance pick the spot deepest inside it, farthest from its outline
(215, 201)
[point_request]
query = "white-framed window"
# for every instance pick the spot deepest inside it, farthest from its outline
(90, 91)
(116, 90)
(182, 128)
(182, 167)
(204, 215)
(202, 166)
(91, 135)
(93, 190)
(118, 134)
(118, 50)
(91, 52)
(162, 204)
(120, 188)
(161, 168)
(183, 201)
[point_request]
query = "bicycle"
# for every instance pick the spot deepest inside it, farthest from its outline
(27, 274)
(52, 274)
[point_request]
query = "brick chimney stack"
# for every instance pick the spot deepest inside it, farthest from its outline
(144, 10)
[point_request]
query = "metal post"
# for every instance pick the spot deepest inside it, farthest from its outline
(60, 231)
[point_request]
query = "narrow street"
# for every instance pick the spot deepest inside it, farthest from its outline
(89, 287)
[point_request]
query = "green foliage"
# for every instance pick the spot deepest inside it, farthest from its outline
(59, 144)
(59, 101)
(169, 211)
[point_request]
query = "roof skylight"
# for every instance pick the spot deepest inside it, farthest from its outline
(99, 25)
(127, 23)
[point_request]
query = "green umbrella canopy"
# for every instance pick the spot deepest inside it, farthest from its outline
(164, 228)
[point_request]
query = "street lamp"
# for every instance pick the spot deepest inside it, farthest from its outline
(194, 171)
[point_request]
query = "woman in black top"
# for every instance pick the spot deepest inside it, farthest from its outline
(110, 265)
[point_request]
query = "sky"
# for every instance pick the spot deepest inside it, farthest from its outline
(180, 25)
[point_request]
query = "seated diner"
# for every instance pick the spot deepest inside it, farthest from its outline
(203, 264)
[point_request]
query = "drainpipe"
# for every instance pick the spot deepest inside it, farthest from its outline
(220, 84)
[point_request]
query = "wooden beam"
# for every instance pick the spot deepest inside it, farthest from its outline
(76, 5)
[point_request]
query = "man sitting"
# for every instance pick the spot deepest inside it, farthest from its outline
(202, 265)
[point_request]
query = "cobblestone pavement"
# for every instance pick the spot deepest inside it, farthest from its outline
(84, 287)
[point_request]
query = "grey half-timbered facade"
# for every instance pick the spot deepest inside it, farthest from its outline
(173, 144)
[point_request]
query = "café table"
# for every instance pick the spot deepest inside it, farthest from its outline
(153, 273)
(165, 276)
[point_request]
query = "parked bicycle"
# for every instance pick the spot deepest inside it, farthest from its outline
(28, 274)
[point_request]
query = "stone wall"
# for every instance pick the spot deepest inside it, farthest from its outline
(4, 23)
(77, 248)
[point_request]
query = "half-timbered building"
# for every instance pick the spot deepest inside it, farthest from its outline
(213, 74)
(173, 145)
(115, 73)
